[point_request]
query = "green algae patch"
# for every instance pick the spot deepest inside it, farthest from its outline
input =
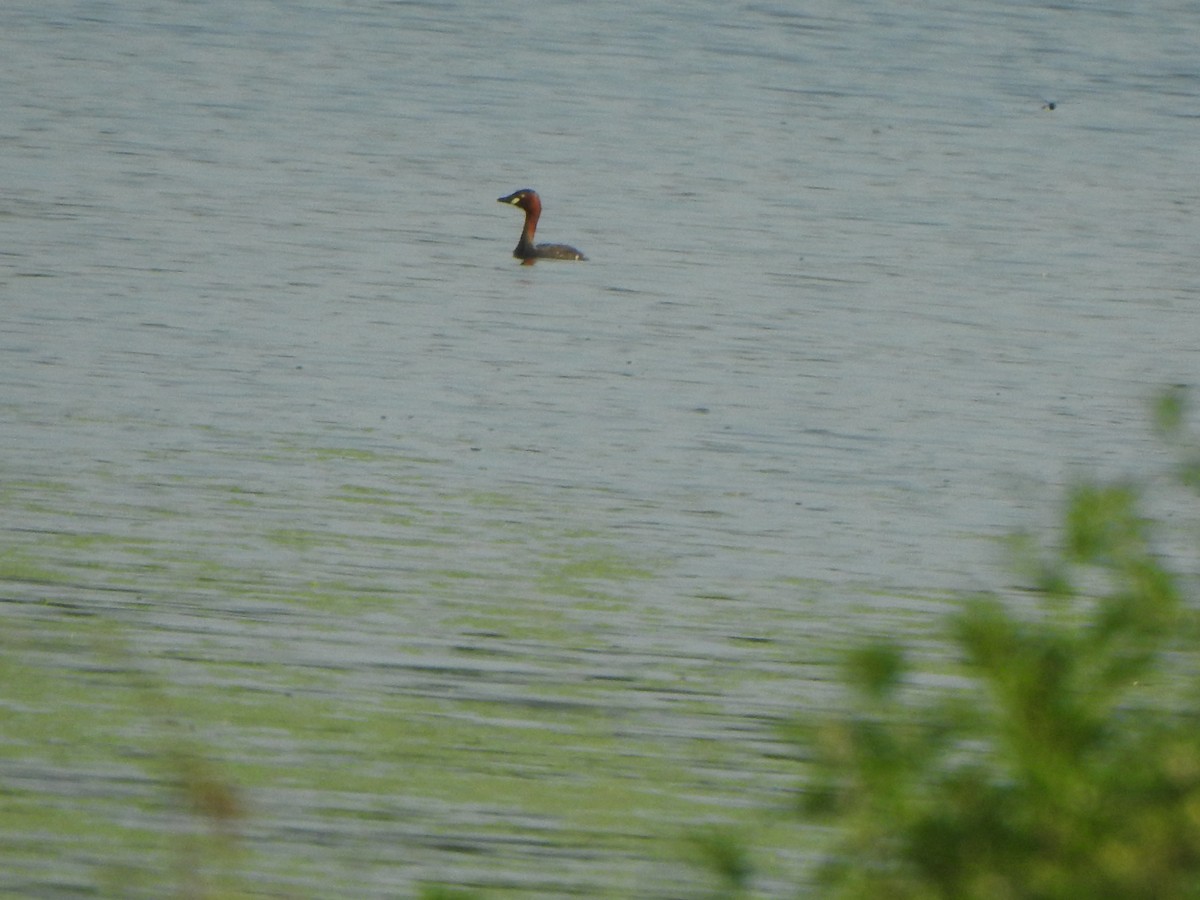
(545, 769)
(17, 566)
(351, 658)
(590, 573)
(349, 454)
(354, 493)
(598, 564)
(298, 538)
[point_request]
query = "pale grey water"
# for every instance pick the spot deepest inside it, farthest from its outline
(856, 305)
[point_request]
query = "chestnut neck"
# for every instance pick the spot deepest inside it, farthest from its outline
(533, 211)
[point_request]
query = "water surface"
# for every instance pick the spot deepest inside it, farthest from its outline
(494, 575)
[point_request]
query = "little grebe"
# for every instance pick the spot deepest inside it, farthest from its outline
(527, 251)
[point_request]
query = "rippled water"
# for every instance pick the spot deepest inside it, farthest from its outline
(471, 572)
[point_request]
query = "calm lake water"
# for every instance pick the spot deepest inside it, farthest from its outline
(465, 572)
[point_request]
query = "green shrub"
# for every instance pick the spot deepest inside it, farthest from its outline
(1060, 760)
